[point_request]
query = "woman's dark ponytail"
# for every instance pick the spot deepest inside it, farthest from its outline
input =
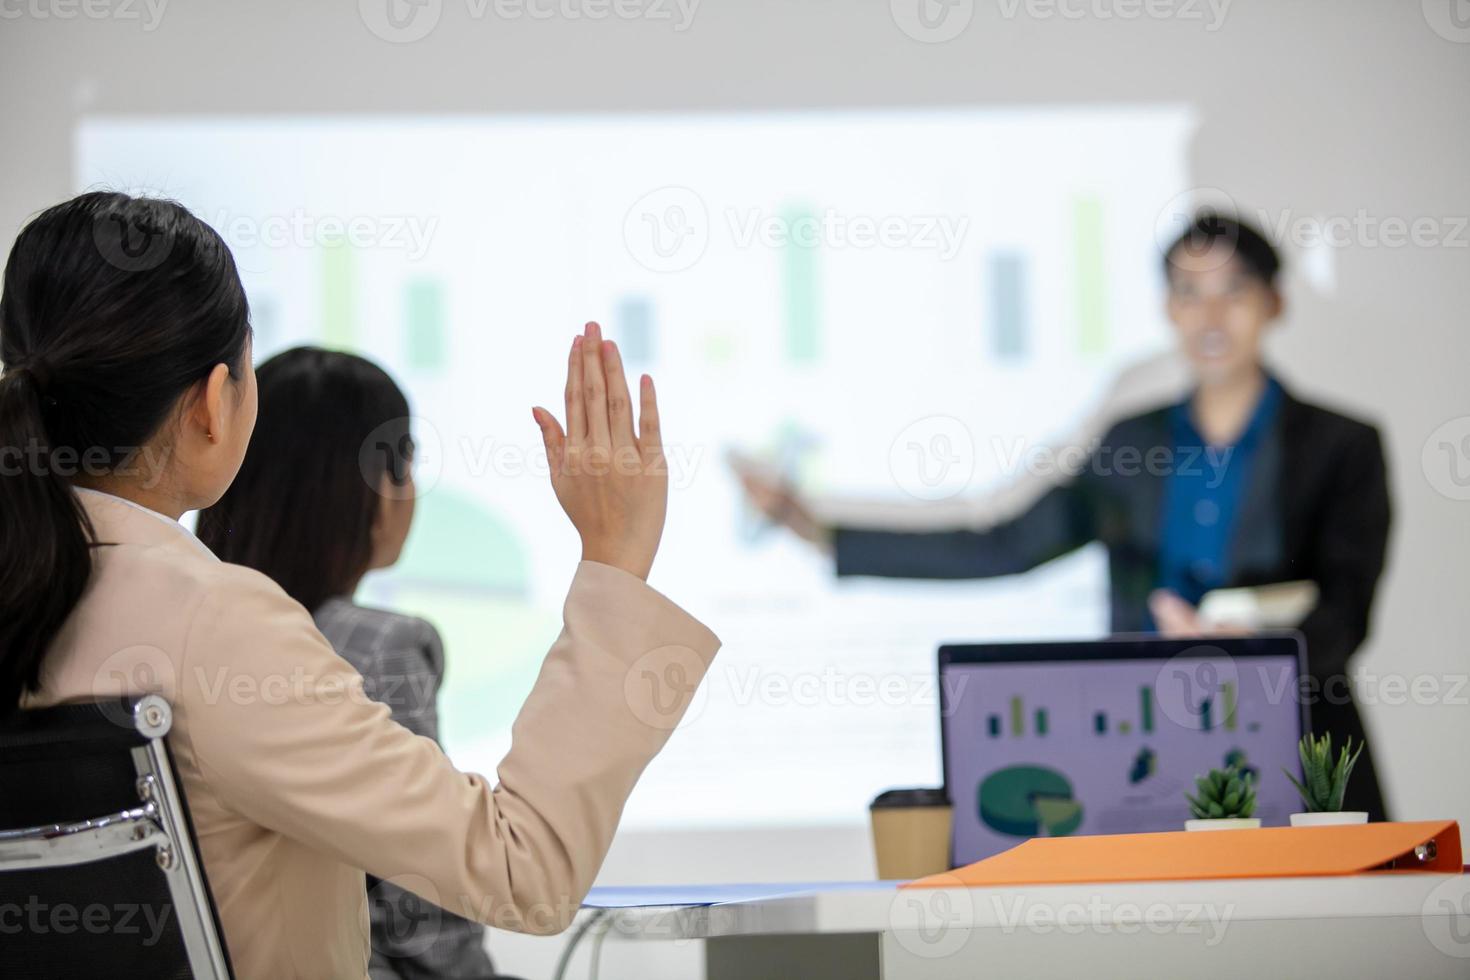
(43, 574)
(112, 308)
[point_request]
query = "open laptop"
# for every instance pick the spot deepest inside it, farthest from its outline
(1106, 737)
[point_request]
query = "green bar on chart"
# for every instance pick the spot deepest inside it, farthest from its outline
(426, 332)
(1091, 275)
(1227, 694)
(1041, 721)
(1018, 721)
(800, 289)
(1146, 708)
(1204, 714)
(339, 297)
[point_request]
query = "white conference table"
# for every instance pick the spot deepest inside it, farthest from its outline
(1403, 926)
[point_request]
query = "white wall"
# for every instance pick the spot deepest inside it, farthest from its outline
(1308, 108)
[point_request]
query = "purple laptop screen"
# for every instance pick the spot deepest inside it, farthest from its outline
(1053, 748)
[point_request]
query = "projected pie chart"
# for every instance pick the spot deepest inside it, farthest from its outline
(1029, 801)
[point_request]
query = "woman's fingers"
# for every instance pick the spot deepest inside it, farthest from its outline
(650, 439)
(576, 405)
(552, 435)
(594, 388)
(619, 404)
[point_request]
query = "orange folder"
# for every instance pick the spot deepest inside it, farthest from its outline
(1273, 852)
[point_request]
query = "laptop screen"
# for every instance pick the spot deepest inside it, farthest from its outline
(1106, 737)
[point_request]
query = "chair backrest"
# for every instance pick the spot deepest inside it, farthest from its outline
(99, 873)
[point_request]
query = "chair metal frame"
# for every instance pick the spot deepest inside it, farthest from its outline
(158, 822)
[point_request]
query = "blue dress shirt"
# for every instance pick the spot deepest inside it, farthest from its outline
(1202, 497)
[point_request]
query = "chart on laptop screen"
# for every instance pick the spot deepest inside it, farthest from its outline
(1111, 746)
(805, 287)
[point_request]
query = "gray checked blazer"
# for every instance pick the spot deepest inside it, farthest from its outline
(401, 660)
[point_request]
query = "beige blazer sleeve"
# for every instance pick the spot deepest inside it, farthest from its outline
(294, 745)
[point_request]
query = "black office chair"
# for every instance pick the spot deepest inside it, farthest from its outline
(99, 874)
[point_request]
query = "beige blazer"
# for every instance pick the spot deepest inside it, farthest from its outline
(298, 782)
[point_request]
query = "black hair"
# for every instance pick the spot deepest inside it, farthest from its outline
(331, 427)
(1251, 248)
(113, 308)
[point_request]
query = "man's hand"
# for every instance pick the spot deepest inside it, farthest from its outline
(1176, 618)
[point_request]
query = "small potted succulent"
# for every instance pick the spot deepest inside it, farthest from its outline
(1325, 784)
(1226, 800)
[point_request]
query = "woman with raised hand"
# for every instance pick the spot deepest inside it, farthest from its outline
(127, 399)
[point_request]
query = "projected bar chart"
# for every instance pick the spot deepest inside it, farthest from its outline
(1015, 719)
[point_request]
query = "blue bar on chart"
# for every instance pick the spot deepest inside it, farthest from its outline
(634, 329)
(1008, 304)
(1040, 721)
(426, 331)
(1205, 707)
(1100, 722)
(993, 722)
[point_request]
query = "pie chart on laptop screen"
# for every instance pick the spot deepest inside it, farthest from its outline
(1028, 801)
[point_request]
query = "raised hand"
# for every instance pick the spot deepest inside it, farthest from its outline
(612, 482)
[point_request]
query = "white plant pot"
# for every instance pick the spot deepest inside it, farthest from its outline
(1224, 823)
(1328, 819)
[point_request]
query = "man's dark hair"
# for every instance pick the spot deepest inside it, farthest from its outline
(1251, 248)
